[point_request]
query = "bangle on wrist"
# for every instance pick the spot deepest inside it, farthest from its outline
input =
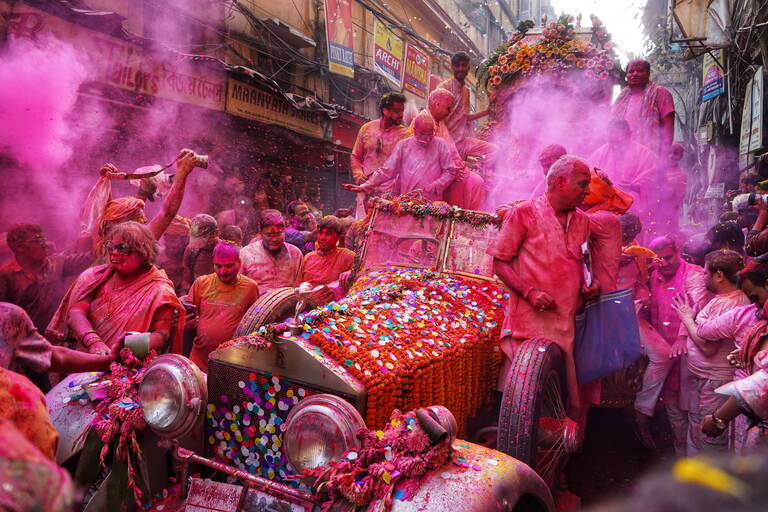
(86, 335)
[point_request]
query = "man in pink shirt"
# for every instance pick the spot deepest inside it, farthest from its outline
(538, 255)
(375, 142)
(648, 108)
(673, 277)
(459, 121)
(272, 262)
(629, 165)
(423, 162)
(468, 190)
(708, 360)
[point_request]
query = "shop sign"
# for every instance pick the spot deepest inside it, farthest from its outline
(416, 78)
(713, 83)
(119, 63)
(247, 101)
(387, 53)
(340, 35)
(752, 118)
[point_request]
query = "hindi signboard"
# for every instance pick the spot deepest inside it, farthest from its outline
(387, 53)
(416, 77)
(340, 35)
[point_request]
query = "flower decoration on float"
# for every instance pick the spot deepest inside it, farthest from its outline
(421, 208)
(558, 50)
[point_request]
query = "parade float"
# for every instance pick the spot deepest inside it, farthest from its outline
(322, 407)
(548, 85)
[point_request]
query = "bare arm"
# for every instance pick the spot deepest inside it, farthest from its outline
(160, 328)
(667, 131)
(477, 115)
(356, 158)
(66, 360)
(171, 205)
(83, 330)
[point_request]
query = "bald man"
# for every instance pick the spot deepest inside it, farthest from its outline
(538, 255)
(423, 162)
(468, 191)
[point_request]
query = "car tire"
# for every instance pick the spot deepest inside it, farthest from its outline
(273, 306)
(538, 363)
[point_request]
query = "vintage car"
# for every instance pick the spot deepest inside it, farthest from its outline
(292, 391)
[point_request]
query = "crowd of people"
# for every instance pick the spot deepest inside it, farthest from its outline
(185, 284)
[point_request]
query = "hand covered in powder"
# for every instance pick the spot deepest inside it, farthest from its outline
(683, 306)
(679, 348)
(186, 161)
(540, 300)
(353, 188)
(111, 172)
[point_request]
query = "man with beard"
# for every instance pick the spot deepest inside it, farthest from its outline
(538, 255)
(422, 162)
(272, 262)
(459, 121)
(375, 142)
(673, 277)
(707, 361)
(221, 298)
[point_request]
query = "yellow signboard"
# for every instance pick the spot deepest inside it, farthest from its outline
(253, 103)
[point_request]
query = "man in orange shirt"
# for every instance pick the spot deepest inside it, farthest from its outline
(324, 265)
(221, 298)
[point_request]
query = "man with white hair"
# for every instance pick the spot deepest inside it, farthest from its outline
(422, 162)
(538, 255)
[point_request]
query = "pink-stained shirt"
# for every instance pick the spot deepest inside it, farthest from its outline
(733, 325)
(413, 166)
(547, 258)
(646, 127)
(457, 121)
(690, 280)
(324, 268)
(372, 148)
(630, 167)
(715, 367)
(605, 246)
(270, 271)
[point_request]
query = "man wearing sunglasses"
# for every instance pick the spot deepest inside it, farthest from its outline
(375, 142)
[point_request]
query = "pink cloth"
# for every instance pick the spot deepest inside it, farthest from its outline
(372, 148)
(605, 246)
(271, 271)
(457, 121)
(413, 166)
(690, 280)
(548, 258)
(645, 110)
(715, 367)
(734, 324)
(631, 168)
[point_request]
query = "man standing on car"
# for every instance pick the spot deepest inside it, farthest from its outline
(538, 255)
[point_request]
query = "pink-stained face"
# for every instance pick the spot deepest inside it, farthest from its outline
(669, 261)
(637, 74)
(122, 257)
(327, 239)
(573, 188)
(226, 266)
(394, 114)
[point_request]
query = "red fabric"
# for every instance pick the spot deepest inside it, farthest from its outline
(605, 246)
(325, 268)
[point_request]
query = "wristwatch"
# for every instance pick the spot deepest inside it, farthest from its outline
(719, 422)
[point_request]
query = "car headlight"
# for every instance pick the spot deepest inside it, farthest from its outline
(319, 430)
(172, 394)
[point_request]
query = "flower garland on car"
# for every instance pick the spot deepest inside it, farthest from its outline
(558, 52)
(420, 208)
(401, 452)
(414, 338)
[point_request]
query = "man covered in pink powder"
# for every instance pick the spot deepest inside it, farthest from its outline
(459, 121)
(424, 162)
(673, 277)
(629, 165)
(375, 142)
(648, 108)
(468, 190)
(538, 255)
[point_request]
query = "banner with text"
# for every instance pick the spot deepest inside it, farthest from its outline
(416, 77)
(713, 83)
(119, 63)
(340, 35)
(387, 53)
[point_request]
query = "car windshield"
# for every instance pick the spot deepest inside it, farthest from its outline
(403, 241)
(468, 244)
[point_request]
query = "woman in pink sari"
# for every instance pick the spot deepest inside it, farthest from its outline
(128, 294)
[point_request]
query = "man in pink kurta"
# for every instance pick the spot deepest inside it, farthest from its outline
(423, 162)
(375, 142)
(649, 109)
(459, 121)
(538, 255)
(468, 190)
(673, 276)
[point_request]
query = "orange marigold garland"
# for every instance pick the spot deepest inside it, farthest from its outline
(414, 338)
